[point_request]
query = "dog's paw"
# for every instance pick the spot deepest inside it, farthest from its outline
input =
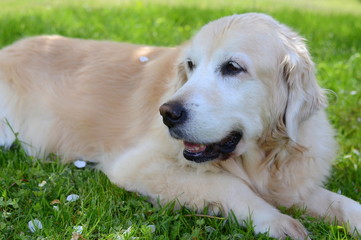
(353, 221)
(283, 226)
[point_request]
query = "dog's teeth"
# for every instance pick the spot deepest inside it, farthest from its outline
(192, 147)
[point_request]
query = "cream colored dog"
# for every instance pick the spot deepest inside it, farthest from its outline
(242, 125)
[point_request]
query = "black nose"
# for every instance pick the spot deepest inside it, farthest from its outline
(173, 113)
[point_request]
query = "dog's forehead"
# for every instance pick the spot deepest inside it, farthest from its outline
(248, 33)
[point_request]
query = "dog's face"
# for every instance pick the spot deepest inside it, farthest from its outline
(236, 76)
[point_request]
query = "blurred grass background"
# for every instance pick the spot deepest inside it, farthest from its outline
(333, 32)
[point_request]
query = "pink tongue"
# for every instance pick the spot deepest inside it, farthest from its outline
(194, 147)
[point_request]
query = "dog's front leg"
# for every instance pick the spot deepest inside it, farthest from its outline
(333, 206)
(145, 171)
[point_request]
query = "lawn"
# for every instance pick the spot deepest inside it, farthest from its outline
(31, 189)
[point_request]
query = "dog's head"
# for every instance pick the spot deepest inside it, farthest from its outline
(241, 76)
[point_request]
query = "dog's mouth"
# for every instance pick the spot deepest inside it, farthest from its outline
(199, 153)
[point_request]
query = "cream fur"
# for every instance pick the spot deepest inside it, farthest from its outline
(97, 101)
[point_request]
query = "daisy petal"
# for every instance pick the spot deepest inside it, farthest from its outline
(80, 164)
(143, 59)
(35, 225)
(72, 197)
(78, 229)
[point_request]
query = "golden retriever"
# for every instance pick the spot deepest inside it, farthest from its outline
(242, 125)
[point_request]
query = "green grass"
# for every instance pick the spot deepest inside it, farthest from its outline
(333, 30)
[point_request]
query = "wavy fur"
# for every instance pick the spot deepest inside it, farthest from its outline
(97, 101)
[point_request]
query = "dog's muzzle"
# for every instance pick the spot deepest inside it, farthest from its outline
(174, 114)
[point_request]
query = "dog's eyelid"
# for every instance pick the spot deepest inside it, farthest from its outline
(239, 65)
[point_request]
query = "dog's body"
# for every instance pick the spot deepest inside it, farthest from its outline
(242, 93)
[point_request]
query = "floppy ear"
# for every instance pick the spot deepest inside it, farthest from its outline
(305, 96)
(181, 73)
(181, 76)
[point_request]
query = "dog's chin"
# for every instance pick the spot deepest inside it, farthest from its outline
(203, 152)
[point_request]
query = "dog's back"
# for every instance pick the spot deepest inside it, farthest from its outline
(79, 98)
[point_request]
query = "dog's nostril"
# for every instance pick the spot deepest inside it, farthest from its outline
(173, 113)
(164, 109)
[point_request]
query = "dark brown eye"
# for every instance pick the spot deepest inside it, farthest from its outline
(190, 65)
(231, 68)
